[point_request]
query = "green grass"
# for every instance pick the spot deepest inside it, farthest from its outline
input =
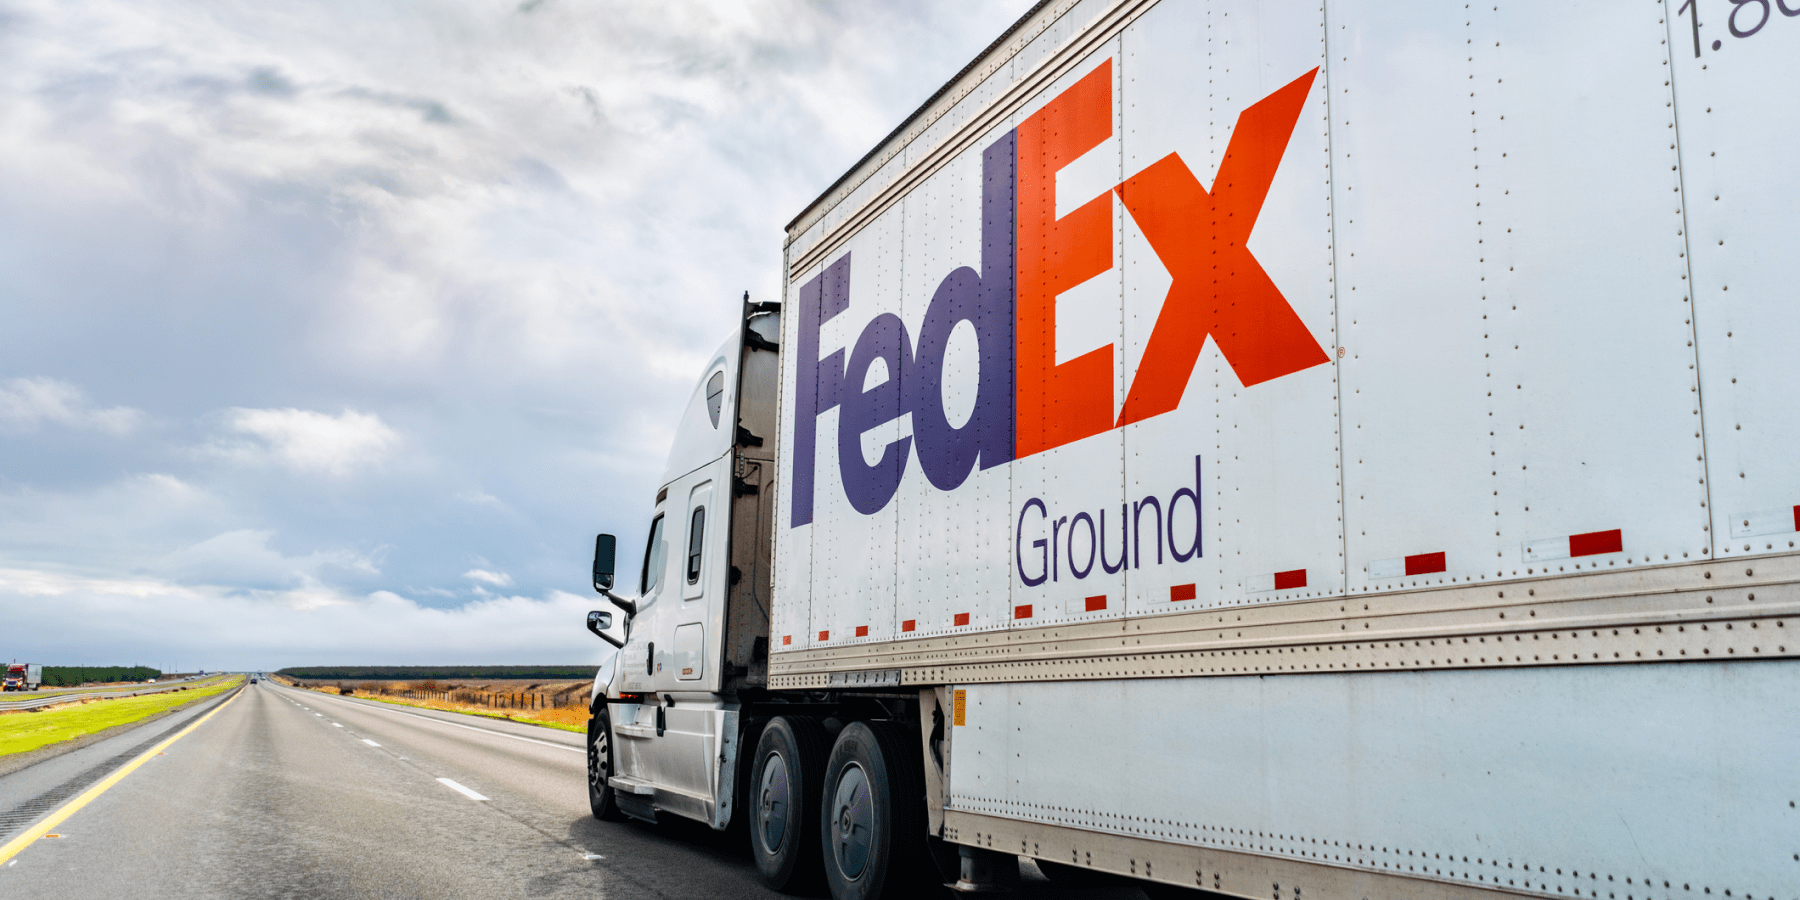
(28, 730)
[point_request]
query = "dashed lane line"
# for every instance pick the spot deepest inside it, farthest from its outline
(460, 789)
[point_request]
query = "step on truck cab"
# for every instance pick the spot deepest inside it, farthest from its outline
(1302, 453)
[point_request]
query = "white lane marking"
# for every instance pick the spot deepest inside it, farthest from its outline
(320, 715)
(581, 750)
(592, 856)
(460, 789)
(370, 743)
(336, 725)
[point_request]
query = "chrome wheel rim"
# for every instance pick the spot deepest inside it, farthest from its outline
(599, 760)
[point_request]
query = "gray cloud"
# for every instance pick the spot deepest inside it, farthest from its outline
(26, 404)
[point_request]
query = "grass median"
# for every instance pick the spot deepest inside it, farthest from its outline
(27, 730)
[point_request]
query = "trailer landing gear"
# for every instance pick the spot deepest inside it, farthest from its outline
(986, 871)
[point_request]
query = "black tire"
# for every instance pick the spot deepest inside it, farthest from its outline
(743, 801)
(872, 820)
(601, 799)
(784, 791)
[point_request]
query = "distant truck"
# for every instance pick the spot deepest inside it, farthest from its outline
(1128, 477)
(24, 677)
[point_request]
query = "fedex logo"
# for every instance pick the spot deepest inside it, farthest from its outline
(1026, 402)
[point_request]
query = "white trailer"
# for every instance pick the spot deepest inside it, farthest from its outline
(1280, 451)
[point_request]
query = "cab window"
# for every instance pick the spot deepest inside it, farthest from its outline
(715, 396)
(653, 558)
(696, 530)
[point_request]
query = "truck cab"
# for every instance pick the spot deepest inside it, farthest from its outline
(693, 641)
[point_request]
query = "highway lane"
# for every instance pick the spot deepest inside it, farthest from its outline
(290, 793)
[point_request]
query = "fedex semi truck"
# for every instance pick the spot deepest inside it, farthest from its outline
(1263, 449)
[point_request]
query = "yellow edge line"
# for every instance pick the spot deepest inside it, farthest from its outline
(68, 809)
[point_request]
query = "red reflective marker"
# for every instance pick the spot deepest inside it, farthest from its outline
(1425, 564)
(1596, 542)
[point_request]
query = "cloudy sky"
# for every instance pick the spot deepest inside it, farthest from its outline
(333, 331)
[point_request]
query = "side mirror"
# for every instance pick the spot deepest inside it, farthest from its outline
(598, 622)
(605, 548)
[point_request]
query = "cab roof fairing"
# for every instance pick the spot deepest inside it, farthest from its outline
(697, 440)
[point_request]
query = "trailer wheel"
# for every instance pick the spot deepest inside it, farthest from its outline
(784, 801)
(873, 821)
(601, 798)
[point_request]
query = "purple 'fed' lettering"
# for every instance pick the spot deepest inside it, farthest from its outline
(915, 382)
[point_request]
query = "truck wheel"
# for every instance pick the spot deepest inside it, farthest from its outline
(784, 801)
(600, 767)
(873, 820)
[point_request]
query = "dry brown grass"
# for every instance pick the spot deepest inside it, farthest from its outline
(566, 718)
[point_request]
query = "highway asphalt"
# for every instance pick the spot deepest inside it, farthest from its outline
(294, 794)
